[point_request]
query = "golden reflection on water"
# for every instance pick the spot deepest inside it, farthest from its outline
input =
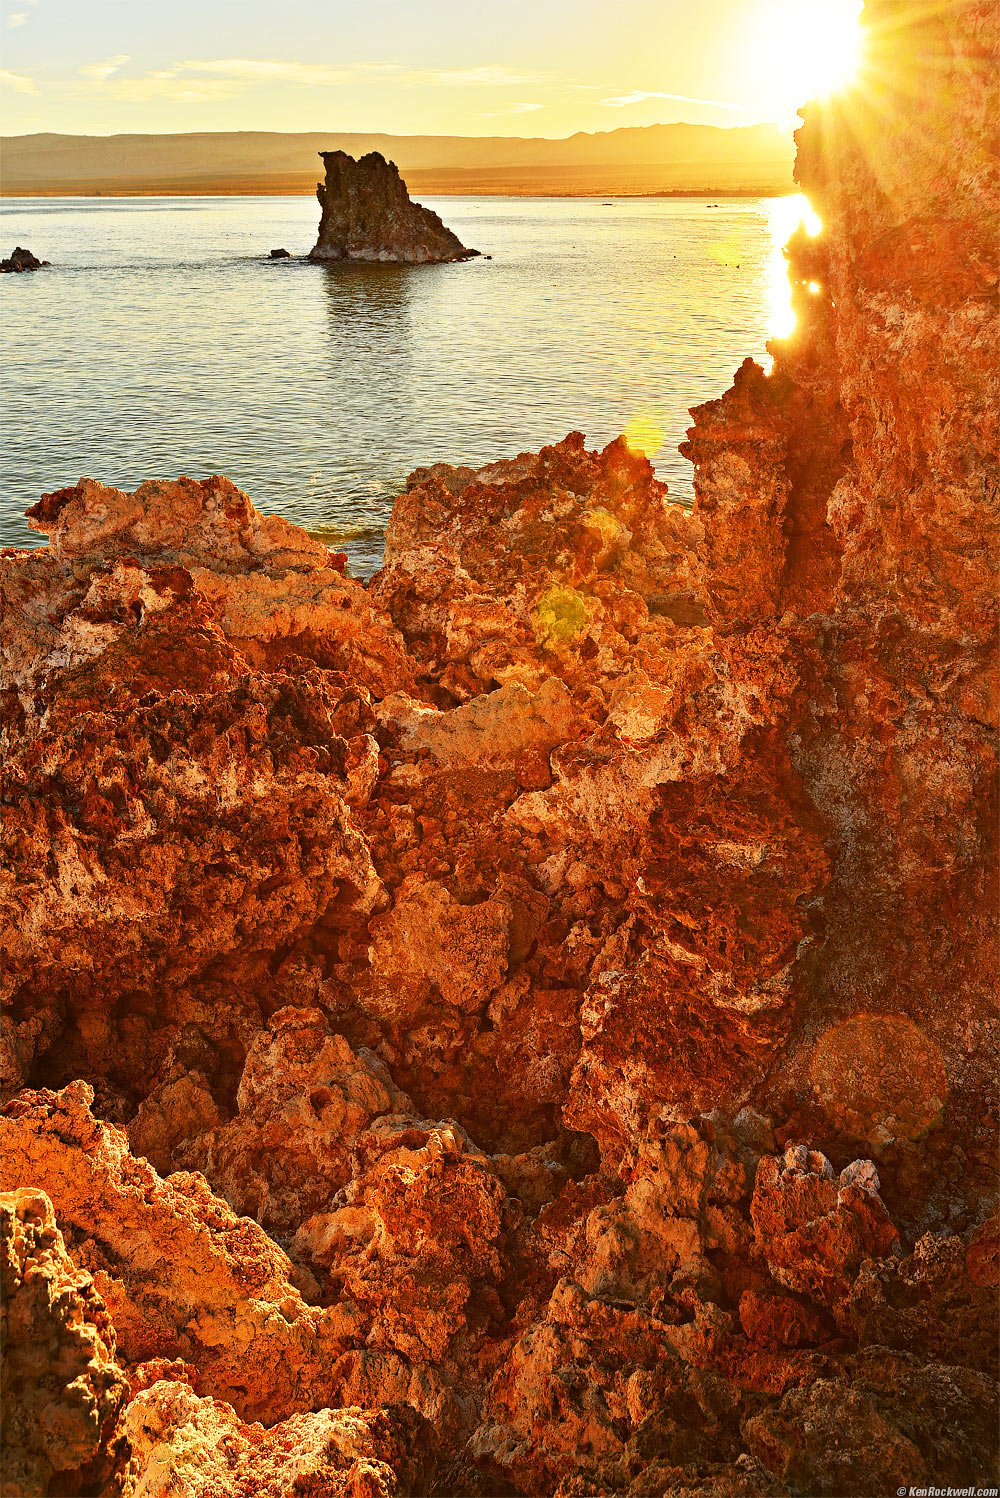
(785, 215)
(729, 251)
(644, 433)
(746, 266)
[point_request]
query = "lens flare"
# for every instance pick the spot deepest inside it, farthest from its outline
(879, 1077)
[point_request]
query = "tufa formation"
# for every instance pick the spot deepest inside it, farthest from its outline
(367, 214)
(21, 260)
(525, 1026)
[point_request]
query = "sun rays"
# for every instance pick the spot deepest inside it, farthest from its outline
(798, 50)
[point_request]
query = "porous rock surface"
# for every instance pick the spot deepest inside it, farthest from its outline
(63, 1392)
(183, 1444)
(524, 1026)
(367, 214)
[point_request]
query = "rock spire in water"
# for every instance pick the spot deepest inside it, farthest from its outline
(367, 214)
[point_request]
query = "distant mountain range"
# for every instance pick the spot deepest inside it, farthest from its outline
(647, 159)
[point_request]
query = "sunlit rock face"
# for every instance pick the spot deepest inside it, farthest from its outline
(865, 466)
(188, 693)
(367, 214)
(521, 1027)
(64, 1393)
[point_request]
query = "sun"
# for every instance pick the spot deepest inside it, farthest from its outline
(799, 50)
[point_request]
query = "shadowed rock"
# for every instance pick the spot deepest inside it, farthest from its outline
(21, 260)
(368, 215)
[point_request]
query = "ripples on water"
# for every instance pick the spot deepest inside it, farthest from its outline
(161, 342)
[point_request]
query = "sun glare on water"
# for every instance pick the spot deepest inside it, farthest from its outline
(785, 215)
(644, 433)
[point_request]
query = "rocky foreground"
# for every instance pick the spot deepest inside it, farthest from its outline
(524, 1027)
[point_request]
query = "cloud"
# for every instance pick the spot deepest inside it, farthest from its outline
(264, 70)
(640, 95)
(498, 114)
(99, 71)
(175, 90)
(18, 82)
(490, 77)
(17, 18)
(260, 70)
(196, 79)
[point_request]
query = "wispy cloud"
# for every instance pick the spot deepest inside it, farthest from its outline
(499, 114)
(175, 90)
(261, 70)
(195, 79)
(264, 70)
(490, 77)
(19, 82)
(17, 18)
(99, 71)
(175, 84)
(641, 95)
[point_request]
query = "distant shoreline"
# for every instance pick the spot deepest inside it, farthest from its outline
(670, 160)
(223, 190)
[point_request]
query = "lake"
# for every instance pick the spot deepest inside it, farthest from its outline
(164, 341)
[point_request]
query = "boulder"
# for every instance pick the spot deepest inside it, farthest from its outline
(21, 260)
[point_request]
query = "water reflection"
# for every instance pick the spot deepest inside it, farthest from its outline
(381, 294)
(369, 331)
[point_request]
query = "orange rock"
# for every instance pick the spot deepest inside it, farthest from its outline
(181, 1274)
(523, 937)
(201, 1447)
(886, 1420)
(304, 1099)
(64, 1393)
(815, 1228)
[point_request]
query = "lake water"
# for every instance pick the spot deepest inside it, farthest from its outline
(164, 341)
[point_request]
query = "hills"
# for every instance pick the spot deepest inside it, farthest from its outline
(646, 159)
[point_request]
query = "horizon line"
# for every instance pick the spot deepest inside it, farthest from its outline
(402, 135)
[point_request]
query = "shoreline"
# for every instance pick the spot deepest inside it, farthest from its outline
(770, 190)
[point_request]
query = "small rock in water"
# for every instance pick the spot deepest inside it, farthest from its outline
(22, 260)
(281, 254)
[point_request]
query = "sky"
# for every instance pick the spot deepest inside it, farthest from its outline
(508, 67)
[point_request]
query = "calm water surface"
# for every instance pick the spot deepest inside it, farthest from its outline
(163, 341)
